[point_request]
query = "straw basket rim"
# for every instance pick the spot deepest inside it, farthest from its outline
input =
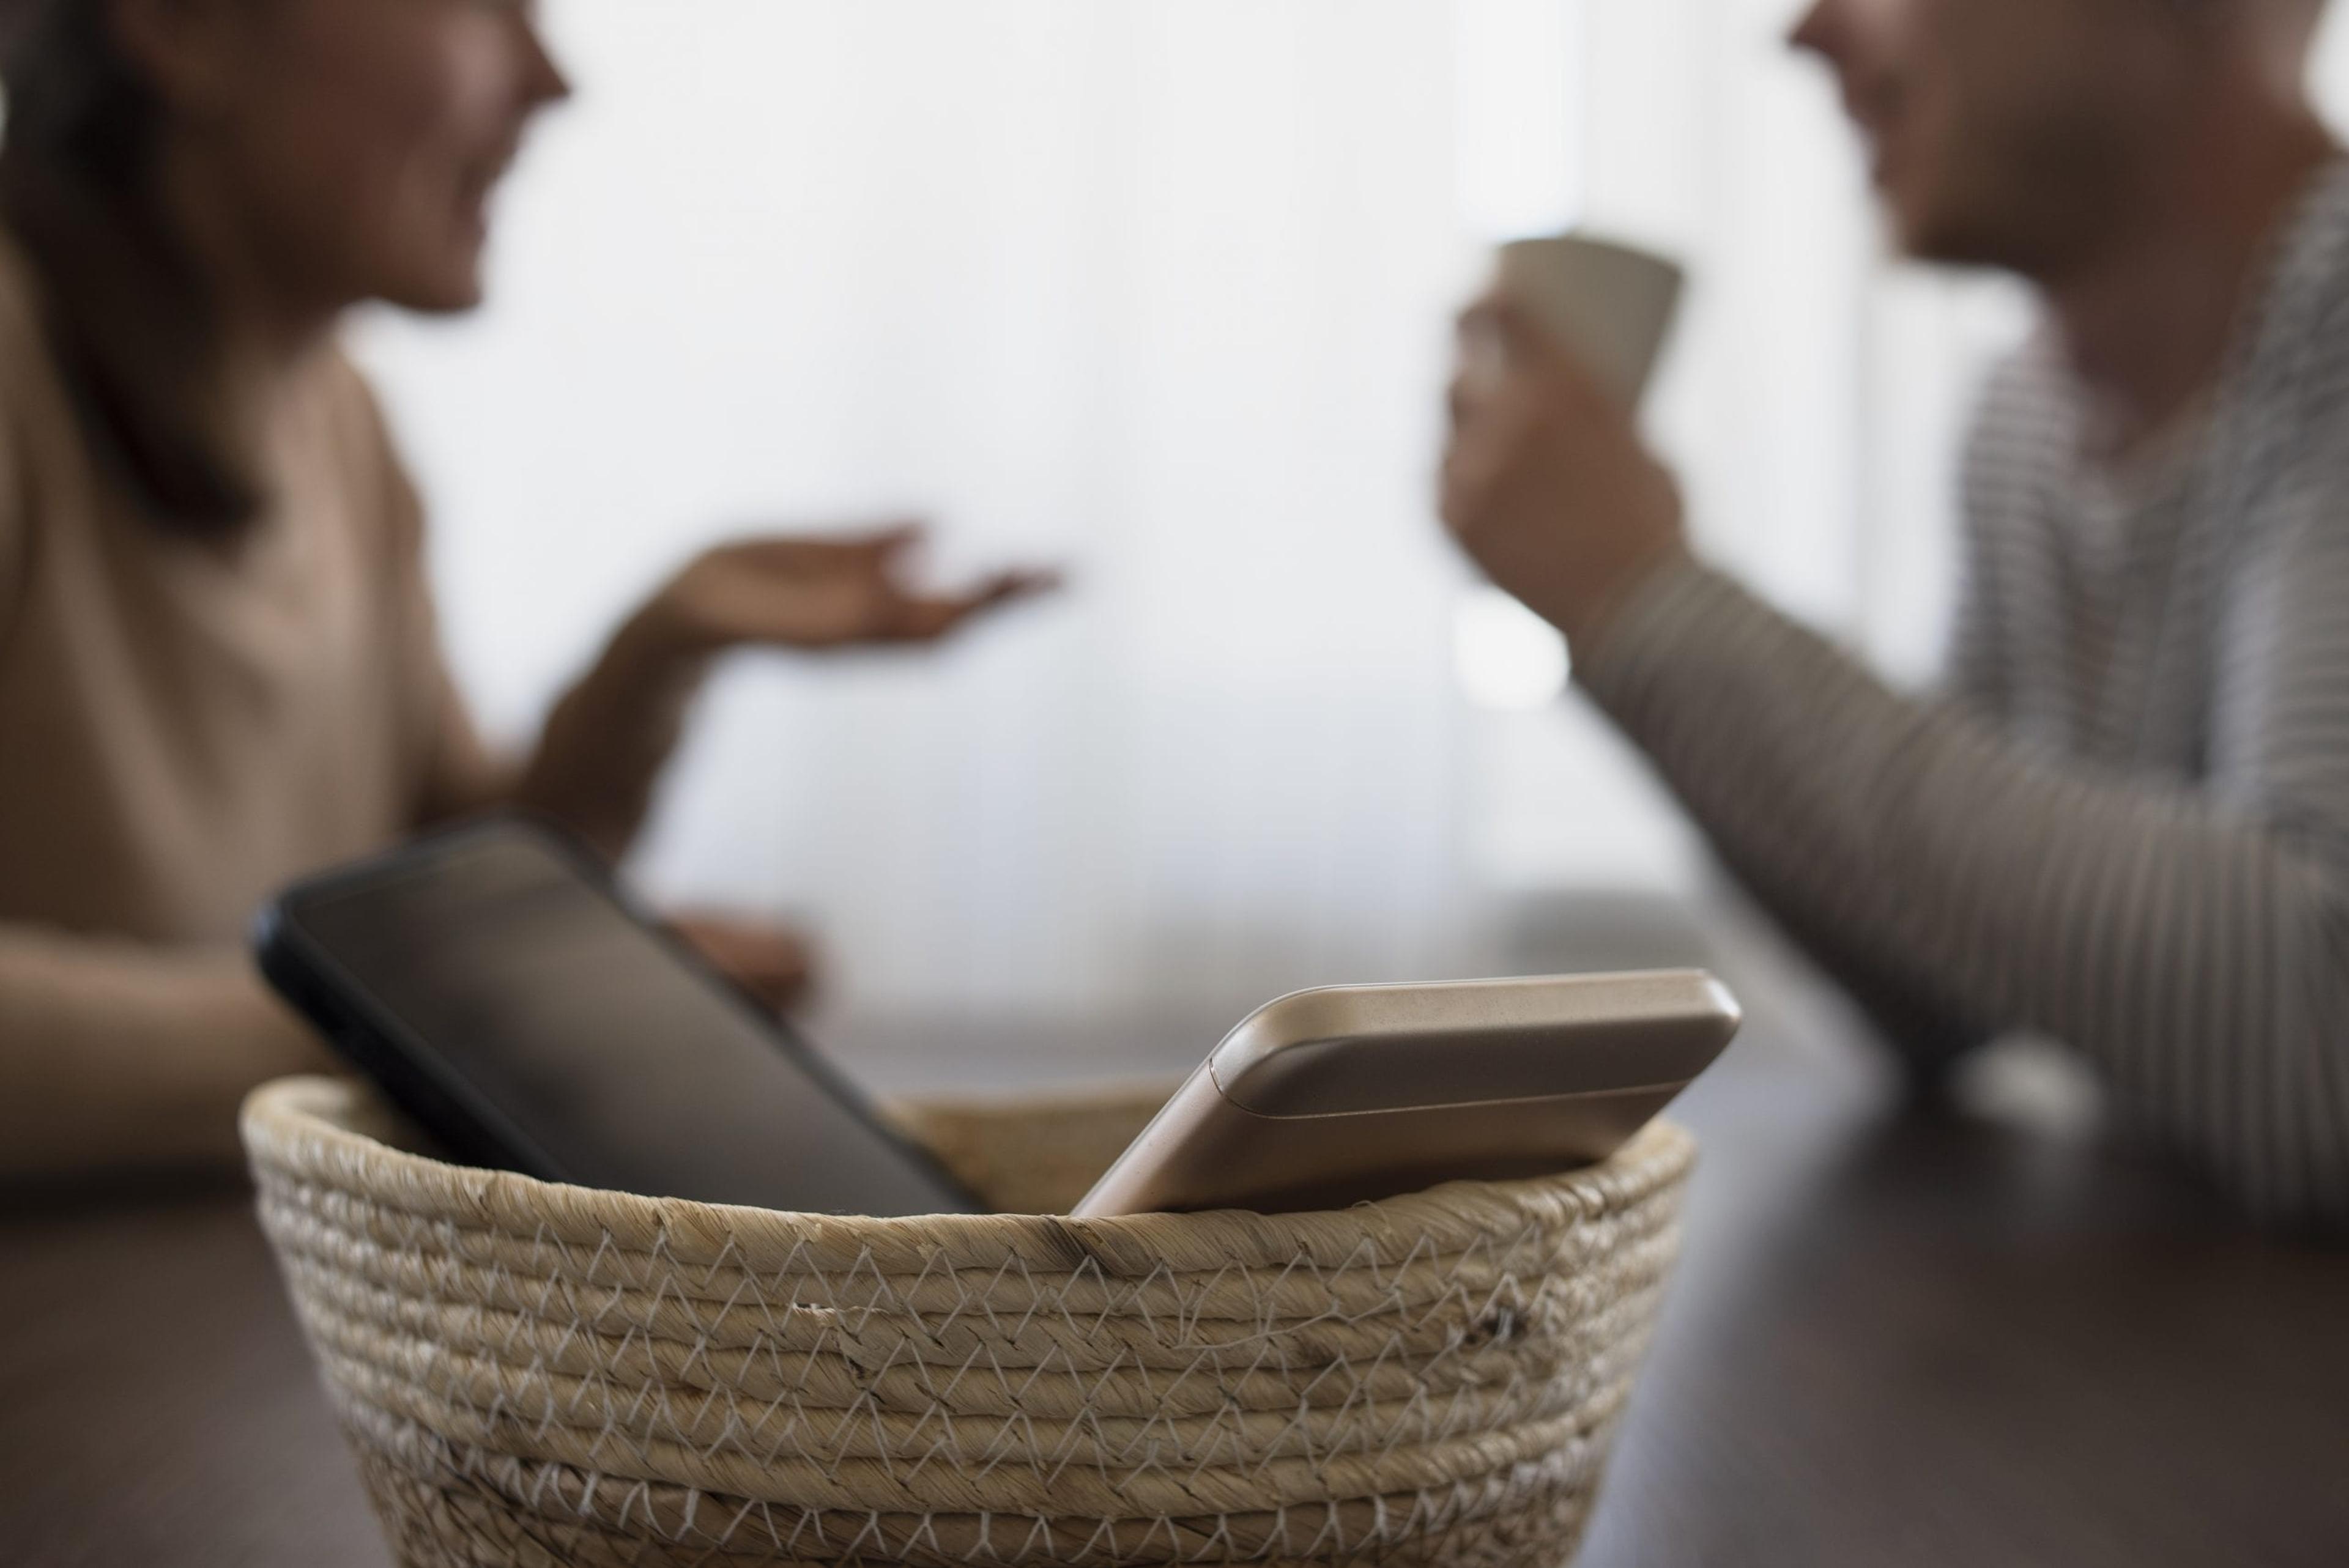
(327, 1129)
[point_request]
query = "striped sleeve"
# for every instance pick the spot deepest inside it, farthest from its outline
(2193, 941)
(1910, 1008)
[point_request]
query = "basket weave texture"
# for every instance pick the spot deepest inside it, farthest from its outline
(533, 1374)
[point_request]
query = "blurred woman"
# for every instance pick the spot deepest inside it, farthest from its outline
(218, 661)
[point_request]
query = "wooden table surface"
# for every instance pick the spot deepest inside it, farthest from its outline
(1895, 1341)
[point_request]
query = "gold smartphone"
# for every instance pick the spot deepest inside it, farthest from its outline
(1337, 1097)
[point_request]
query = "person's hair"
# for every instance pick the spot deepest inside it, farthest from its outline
(127, 313)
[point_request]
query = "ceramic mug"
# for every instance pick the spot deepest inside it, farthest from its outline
(1611, 306)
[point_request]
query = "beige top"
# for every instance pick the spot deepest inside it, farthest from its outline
(184, 726)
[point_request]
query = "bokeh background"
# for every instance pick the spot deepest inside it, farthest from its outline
(1161, 289)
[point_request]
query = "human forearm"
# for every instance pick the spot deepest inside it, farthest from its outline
(606, 742)
(116, 1057)
(600, 757)
(1924, 1030)
(2189, 949)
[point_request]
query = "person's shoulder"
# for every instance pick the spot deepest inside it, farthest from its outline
(352, 411)
(2023, 436)
(349, 398)
(363, 450)
(2026, 395)
(2307, 264)
(2292, 364)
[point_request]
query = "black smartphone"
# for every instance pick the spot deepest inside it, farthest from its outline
(507, 995)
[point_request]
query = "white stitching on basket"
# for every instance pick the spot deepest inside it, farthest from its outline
(617, 1382)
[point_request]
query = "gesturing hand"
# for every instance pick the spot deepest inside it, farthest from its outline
(1546, 484)
(607, 740)
(812, 593)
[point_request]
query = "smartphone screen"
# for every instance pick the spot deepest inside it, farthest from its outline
(491, 961)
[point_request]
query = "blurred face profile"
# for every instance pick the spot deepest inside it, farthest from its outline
(2005, 132)
(353, 145)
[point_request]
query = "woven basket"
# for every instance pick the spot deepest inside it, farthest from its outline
(536, 1375)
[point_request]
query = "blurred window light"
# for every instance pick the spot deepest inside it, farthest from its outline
(798, 261)
(789, 260)
(1508, 659)
(1519, 143)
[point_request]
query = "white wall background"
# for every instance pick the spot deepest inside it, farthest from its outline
(1159, 288)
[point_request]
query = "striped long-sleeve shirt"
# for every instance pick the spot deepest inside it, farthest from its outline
(2124, 823)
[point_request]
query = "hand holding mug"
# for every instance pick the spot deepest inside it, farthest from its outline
(1547, 483)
